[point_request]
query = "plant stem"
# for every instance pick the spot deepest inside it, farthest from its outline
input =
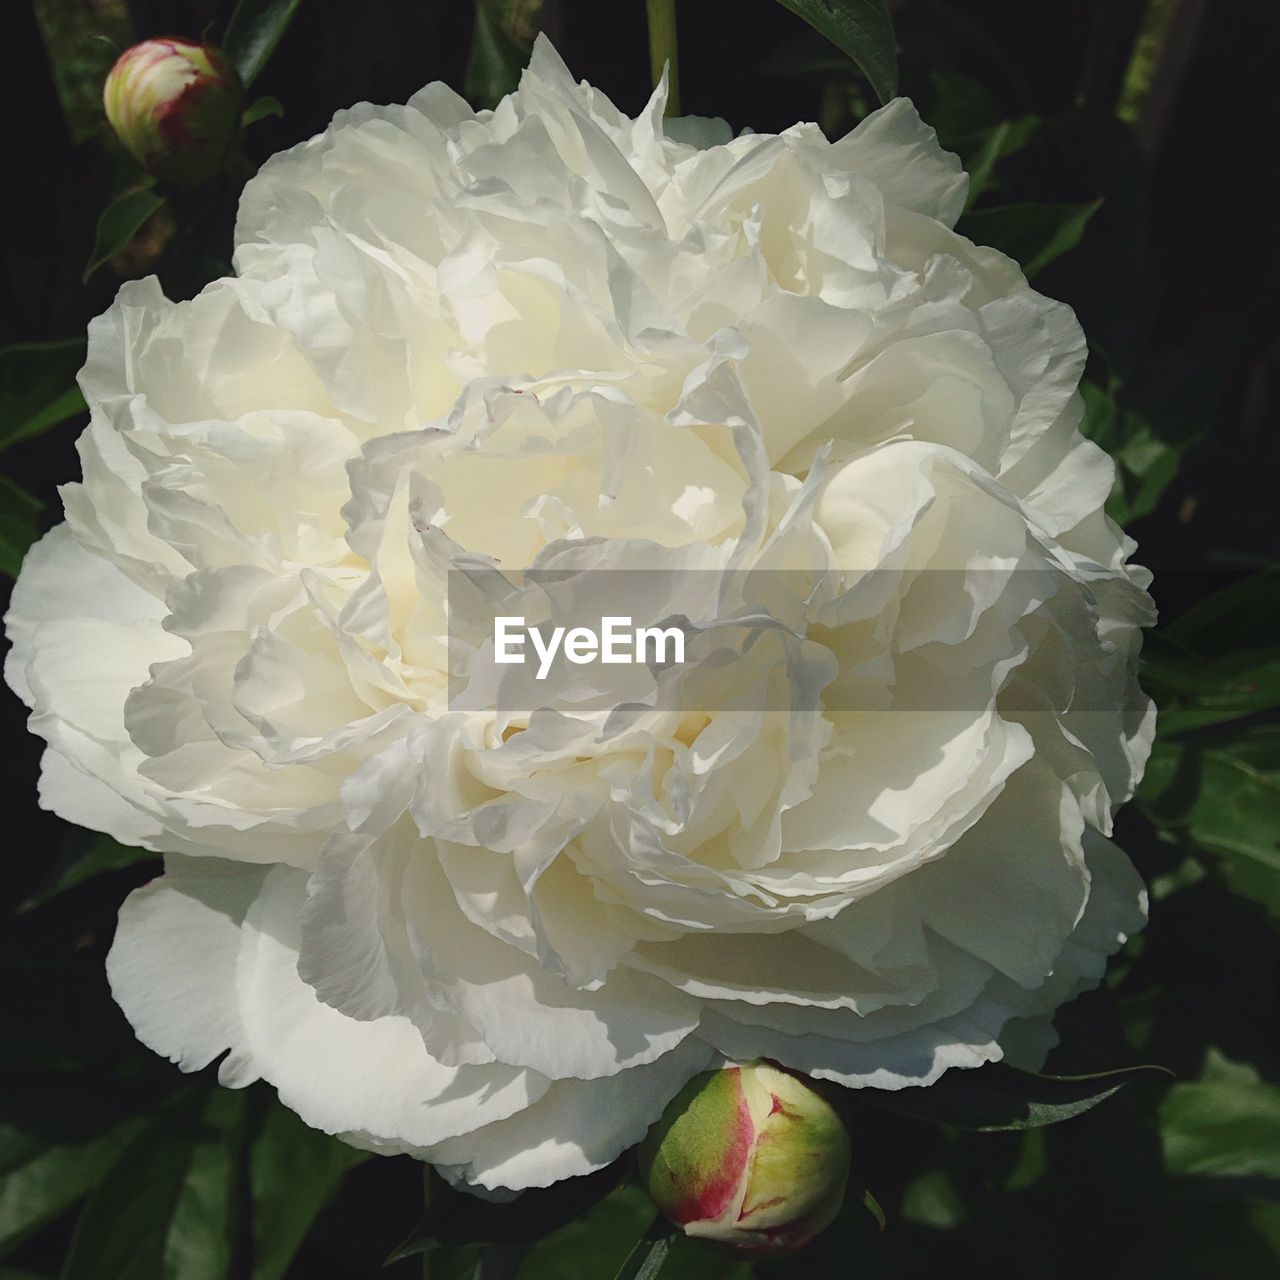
(662, 50)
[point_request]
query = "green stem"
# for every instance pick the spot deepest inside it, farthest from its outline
(662, 49)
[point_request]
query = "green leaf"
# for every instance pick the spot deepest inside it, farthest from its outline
(1032, 1164)
(1005, 139)
(932, 1200)
(202, 1230)
(38, 387)
(646, 1259)
(861, 28)
(1034, 234)
(597, 1242)
(454, 1217)
(1218, 661)
(40, 1181)
(498, 1262)
(167, 1208)
(261, 109)
(1238, 616)
(82, 41)
(984, 161)
(806, 55)
(962, 107)
(500, 46)
(120, 221)
(294, 1171)
(255, 29)
(103, 854)
(999, 1097)
(19, 527)
(1196, 692)
(1224, 1125)
(870, 1204)
(1224, 796)
(1146, 461)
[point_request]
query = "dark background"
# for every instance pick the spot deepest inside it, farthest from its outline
(1177, 284)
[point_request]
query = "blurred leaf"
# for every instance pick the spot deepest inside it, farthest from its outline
(167, 1208)
(121, 220)
(597, 1242)
(933, 1201)
(984, 161)
(38, 1181)
(461, 1262)
(500, 46)
(1241, 615)
(38, 387)
(83, 41)
(103, 854)
(261, 109)
(255, 29)
(963, 107)
(201, 1234)
(870, 1204)
(999, 1097)
(1033, 1161)
(200, 251)
(1005, 139)
(863, 29)
(1160, 22)
(497, 1262)
(1196, 692)
(294, 1171)
(19, 528)
(1218, 661)
(1224, 1125)
(1146, 463)
(455, 1217)
(1034, 234)
(646, 1259)
(806, 55)
(1225, 797)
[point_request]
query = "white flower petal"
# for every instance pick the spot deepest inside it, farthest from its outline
(173, 962)
(577, 1127)
(900, 154)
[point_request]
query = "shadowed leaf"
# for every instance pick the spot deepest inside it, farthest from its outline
(294, 1171)
(255, 29)
(38, 387)
(999, 1097)
(120, 221)
(1034, 234)
(863, 29)
(168, 1206)
(500, 46)
(19, 515)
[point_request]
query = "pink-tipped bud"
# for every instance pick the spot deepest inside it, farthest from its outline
(175, 105)
(749, 1156)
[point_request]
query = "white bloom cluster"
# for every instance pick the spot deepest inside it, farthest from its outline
(549, 336)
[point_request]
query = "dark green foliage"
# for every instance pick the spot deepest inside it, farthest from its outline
(861, 28)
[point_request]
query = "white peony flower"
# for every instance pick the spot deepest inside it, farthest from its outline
(871, 844)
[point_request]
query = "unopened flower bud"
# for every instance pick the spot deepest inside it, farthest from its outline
(749, 1156)
(175, 105)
